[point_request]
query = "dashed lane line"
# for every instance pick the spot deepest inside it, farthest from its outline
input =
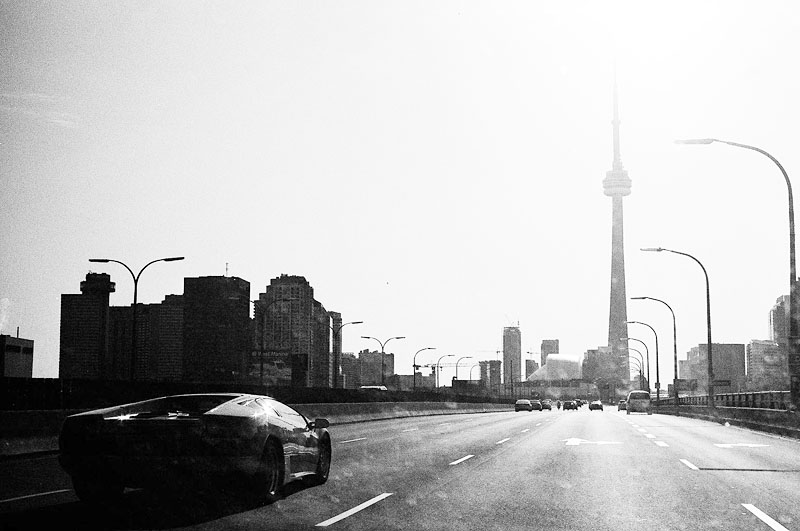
(459, 461)
(410, 429)
(9, 500)
(649, 435)
(764, 517)
(353, 440)
(354, 510)
(501, 441)
(690, 465)
(526, 430)
(662, 444)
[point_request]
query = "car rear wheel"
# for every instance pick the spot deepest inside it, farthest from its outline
(270, 475)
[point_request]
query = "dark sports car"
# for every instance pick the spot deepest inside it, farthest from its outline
(192, 437)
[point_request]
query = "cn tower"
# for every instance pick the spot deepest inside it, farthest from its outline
(617, 185)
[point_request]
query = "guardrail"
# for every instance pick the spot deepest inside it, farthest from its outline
(759, 399)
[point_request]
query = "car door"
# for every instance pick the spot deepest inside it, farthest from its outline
(301, 439)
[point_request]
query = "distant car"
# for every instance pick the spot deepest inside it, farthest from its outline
(523, 405)
(596, 404)
(194, 436)
(638, 401)
(570, 404)
(536, 404)
(546, 404)
(622, 405)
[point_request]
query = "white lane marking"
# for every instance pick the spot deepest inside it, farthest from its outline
(690, 465)
(574, 441)
(662, 444)
(764, 517)
(35, 495)
(354, 440)
(635, 425)
(462, 460)
(526, 430)
(649, 435)
(642, 430)
(354, 510)
(444, 424)
(501, 441)
(410, 429)
(740, 445)
(539, 424)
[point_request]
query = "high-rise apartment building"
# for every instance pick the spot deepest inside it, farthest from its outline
(490, 374)
(296, 328)
(512, 354)
(83, 350)
(549, 346)
(217, 334)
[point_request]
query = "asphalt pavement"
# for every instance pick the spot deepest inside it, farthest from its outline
(568, 470)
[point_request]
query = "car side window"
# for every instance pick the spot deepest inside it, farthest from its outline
(290, 415)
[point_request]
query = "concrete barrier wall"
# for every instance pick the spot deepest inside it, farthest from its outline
(777, 421)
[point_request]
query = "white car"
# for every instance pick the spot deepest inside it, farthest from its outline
(639, 401)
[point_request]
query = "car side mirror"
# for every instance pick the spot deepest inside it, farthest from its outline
(318, 424)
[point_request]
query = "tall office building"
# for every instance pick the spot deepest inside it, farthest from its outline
(512, 354)
(296, 329)
(779, 321)
(617, 185)
(217, 335)
(17, 357)
(729, 365)
(351, 371)
(767, 366)
(83, 349)
(549, 346)
(336, 361)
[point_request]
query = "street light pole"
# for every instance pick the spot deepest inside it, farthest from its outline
(470, 371)
(414, 365)
(437, 367)
(458, 360)
(337, 361)
(658, 380)
(708, 318)
(641, 383)
(382, 344)
(674, 344)
(647, 352)
(794, 296)
(135, 296)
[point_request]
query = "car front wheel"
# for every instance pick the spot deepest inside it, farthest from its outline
(323, 463)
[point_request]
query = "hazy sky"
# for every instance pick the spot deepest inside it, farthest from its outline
(432, 168)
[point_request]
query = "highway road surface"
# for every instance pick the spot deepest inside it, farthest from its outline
(569, 470)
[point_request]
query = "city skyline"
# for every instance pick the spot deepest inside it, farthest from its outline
(440, 187)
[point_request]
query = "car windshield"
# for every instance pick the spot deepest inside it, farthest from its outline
(409, 223)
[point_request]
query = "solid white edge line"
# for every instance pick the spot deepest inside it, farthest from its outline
(690, 465)
(353, 440)
(462, 460)
(354, 510)
(35, 495)
(764, 517)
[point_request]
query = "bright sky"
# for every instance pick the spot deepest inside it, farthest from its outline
(434, 169)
